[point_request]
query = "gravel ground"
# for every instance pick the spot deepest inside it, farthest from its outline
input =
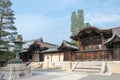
(102, 77)
(60, 75)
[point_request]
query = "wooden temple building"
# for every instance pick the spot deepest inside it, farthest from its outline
(32, 50)
(93, 44)
(98, 44)
(65, 52)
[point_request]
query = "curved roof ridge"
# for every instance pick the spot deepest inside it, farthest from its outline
(110, 39)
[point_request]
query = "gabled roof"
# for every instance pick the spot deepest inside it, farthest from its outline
(115, 37)
(87, 30)
(68, 45)
(40, 42)
(64, 46)
(116, 30)
(43, 45)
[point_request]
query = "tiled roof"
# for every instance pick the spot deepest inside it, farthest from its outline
(113, 37)
(63, 45)
(42, 43)
(69, 45)
(116, 33)
(116, 30)
(27, 44)
(51, 50)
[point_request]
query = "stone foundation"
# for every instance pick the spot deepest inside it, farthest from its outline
(14, 71)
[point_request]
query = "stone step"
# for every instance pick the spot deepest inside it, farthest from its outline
(88, 66)
(97, 64)
(92, 68)
(87, 70)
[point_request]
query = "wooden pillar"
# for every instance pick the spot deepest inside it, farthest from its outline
(32, 57)
(102, 39)
(76, 56)
(80, 45)
(71, 55)
(110, 56)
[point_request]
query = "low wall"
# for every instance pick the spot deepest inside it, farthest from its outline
(65, 66)
(113, 66)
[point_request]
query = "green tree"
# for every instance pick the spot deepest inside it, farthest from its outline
(77, 22)
(80, 20)
(7, 29)
(73, 22)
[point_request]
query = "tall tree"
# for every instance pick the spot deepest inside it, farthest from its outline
(7, 29)
(77, 22)
(80, 20)
(74, 22)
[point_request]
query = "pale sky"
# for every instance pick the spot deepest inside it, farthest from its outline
(50, 19)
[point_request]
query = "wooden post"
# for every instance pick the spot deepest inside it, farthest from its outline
(80, 45)
(32, 56)
(103, 44)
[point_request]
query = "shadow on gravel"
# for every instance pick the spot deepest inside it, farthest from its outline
(102, 77)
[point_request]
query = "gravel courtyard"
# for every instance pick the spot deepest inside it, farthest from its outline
(58, 75)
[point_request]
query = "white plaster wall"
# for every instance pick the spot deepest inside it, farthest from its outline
(53, 60)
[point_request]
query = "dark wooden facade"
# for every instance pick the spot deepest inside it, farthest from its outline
(114, 43)
(95, 55)
(116, 51)
(97, 44)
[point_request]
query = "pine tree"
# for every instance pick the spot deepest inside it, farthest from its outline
(7, 29)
